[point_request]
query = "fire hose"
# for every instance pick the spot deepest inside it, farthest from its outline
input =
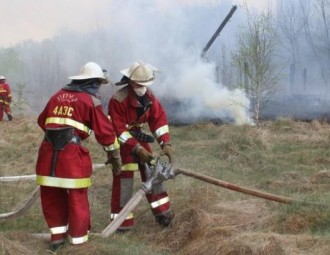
(162, 171)
(23, 208)
(32, 198)
(159, 172)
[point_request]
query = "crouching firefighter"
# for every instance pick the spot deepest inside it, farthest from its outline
(64, 166)
(131, 108)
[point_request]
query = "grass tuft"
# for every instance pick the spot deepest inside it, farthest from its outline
(282, 157)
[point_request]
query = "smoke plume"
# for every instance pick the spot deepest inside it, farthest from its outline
(171, 35)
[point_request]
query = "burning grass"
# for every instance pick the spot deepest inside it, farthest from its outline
(283, 157)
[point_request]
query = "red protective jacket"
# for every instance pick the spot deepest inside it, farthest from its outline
(5, 99)
(84, 113)
(5, 94)
(123, 108)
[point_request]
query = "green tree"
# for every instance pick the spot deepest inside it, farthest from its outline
(10, 64)
(255, 59)
(20, 102)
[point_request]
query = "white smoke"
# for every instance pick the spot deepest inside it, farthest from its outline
(206, 98)
(170, 35)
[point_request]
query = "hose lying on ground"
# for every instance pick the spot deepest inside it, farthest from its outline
(23, 208)
(110, 229)
(244, 190)
(31, 177)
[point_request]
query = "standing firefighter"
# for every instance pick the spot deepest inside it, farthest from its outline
(5, 98)
(64, 166)
(130, 109)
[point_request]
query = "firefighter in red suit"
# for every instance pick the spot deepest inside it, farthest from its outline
(132, 108)
(64, 166)
(5, 98)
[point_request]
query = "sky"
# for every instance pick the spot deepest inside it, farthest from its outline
(42, 19)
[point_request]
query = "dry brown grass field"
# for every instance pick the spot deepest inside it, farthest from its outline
(282, 157)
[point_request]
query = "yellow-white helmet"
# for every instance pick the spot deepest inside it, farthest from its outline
(141, 73)
(89, 71)
(2, 77)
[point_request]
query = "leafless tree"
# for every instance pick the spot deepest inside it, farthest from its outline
(42, 68)
(225, 70)
(291, 25)
(316, 15)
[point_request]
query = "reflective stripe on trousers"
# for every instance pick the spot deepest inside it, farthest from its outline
(58, 230)
(115, 215)
(78, 240)
(66, 183)
(159, 202)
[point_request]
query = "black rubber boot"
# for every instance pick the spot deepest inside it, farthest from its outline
(164, 220)
(10, 117)
(122, 231)
(56, 247)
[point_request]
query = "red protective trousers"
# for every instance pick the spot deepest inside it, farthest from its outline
(4, 108)
(122, 189)
(66, 212)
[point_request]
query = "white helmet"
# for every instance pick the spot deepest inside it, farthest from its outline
(89, 71)
(141, 73)
(2, 77)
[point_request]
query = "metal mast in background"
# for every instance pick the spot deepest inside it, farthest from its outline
(216, 34)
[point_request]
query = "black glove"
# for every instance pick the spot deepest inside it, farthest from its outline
(168, 151)
(115, 160)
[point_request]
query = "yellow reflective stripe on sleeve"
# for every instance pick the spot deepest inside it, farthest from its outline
(160, 202)
(130, 167)
(78, 240)
(67, 183)
(70, 122)
(58, 230)
(4, 102)
(161, 131)
(115, 215)
(124, 137)
(113, 146)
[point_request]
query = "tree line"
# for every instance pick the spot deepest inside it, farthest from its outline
(285, 50)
